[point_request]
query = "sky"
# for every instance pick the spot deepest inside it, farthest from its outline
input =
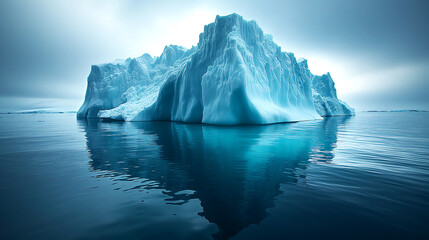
(376, 51)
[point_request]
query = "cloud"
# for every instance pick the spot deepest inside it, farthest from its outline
(399, 87)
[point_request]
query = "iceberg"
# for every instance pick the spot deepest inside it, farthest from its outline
(235, 75)
(324, 94)
(325, 98)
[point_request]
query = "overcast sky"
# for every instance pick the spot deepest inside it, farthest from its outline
(376, 51)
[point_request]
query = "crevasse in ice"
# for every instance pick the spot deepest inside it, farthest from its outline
(235, 75)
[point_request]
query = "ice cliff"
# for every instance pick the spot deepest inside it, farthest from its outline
(235, 75)
(325, 97)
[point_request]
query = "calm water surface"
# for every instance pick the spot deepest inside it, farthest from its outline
(364, 177)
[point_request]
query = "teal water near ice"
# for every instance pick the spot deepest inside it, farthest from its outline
(363, 177)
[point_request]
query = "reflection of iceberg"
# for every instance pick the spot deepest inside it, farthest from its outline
(236, 173)
(326, 139)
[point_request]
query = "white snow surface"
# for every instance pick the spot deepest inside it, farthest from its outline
(235, 75)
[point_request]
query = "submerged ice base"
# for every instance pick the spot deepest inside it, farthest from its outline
(235, 75)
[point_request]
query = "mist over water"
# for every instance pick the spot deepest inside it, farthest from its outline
(341, 177)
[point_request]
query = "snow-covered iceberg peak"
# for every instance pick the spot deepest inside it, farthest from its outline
(170, 55)
(235, 75)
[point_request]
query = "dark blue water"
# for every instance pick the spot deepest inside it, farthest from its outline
(365, 177)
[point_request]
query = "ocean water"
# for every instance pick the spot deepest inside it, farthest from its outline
(362, 177)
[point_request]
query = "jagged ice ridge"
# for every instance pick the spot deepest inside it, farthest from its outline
(235, 75)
